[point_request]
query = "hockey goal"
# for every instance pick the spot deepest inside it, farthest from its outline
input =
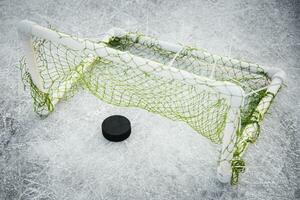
(221, 98)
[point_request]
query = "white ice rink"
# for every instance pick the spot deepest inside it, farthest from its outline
(65, 155)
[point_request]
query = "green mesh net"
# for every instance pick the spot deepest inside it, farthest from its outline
(181, 85)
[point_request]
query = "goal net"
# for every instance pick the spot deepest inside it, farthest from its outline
(222, 99)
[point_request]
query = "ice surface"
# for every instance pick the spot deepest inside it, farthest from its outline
(65, 156)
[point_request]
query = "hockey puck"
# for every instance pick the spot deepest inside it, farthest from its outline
(116, 128)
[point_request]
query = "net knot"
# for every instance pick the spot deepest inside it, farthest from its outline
(238, 166)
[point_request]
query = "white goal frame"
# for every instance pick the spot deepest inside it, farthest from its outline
(27, 29)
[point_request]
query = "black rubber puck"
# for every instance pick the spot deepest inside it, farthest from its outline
(116, 128)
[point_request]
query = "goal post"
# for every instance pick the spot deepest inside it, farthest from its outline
(214, 95)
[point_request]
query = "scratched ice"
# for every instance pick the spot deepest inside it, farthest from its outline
(65, 156)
